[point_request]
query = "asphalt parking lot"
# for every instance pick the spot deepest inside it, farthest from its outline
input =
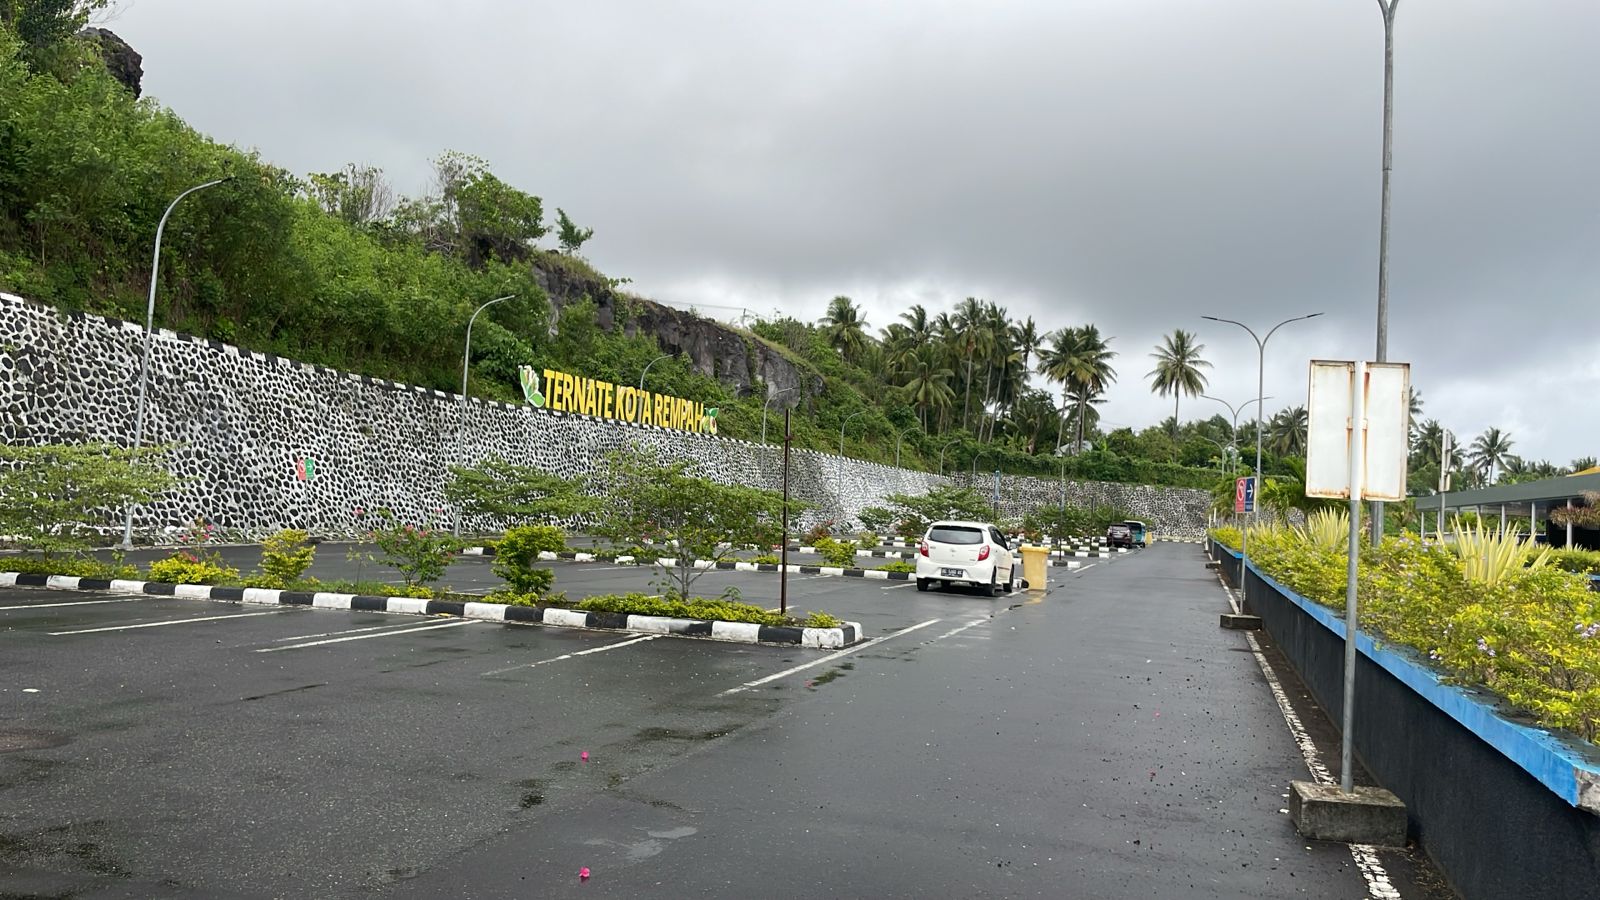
(159, 747)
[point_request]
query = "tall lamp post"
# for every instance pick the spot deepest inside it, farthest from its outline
(641, 380)
(149, 328)
(766, 405)
(900, 440)
(1261, 385)
(466, 359)
(941, 453)
(1388, 8)
(847, 420)
(1235, 411)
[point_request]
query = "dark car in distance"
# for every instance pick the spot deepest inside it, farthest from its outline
(1119, 535)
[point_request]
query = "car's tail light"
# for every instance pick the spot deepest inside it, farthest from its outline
(983, 554)
(923, 548)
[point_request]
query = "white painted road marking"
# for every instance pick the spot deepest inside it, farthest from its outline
(1379, 887)
(307, 637)
(160, 624)
(957, 630)
(826, 659)
(362, 637)
(896, 587)
(648, 637)
(71, 603)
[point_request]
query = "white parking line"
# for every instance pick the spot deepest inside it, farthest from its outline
(71, 603)
(362, 637)
(955, 631)
(160, 624)
(898, 587)
(307, 637)
(648, 637)
(826, 659)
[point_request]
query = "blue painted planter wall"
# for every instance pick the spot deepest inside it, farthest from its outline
(1493, 802)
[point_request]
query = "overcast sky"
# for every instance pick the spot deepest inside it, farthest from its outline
(1131, 163)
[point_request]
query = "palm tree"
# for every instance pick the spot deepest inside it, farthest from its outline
(1177, 370)
(1490, 451)
(1583, 462)
(1080, 359)
(1081, 406)
(1414, 408)
(928, 382)
(1287, 432)
(971, 333)
(844, 327)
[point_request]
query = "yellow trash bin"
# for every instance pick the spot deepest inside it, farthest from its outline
(1036, 566)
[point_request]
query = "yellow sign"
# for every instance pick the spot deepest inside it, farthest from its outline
(563, 392)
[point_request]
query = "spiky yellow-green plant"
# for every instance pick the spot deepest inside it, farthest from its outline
(1488, 555)
(1325, 529)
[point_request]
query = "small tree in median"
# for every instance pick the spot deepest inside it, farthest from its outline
(53, 497)
(519, 493)
(643, 498)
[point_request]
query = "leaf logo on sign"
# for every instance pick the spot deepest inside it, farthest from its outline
(530, 385)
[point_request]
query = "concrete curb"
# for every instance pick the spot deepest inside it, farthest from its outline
(741, 632)
(741, 566)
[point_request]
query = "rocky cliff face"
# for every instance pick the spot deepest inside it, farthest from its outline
(741, 362)
(122, 61)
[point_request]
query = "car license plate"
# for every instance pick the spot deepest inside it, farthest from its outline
(952, 573)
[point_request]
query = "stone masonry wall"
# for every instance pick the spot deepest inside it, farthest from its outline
(240, 423)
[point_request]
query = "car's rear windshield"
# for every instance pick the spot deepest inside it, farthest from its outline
(952, 534)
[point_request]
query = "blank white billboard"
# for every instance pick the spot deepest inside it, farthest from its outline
(1386, 411)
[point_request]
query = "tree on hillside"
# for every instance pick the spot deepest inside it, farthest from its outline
(1286, 433)
(972, 334)
(1177, 371)
(569, 235)
(357, 195)
(927, 382)
(844, 327)
(472, 214)
(1582, 463)
(43, 25)
(1490, 451)
(1080, 359)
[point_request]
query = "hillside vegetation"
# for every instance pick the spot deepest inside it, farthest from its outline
(334, 268)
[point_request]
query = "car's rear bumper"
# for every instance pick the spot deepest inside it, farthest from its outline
(974, 573)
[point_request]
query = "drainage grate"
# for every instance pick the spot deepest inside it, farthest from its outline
(13, 740)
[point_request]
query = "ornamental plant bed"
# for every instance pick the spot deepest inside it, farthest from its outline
(696, 608)
(1482, 612)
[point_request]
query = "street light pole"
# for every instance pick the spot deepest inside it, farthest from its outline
(647, 370)
(764, 408)
(900, 440)
(941, 453)
(1261, 384)
(848, 419)
(466, 359)
(149, 327)
(1235, 410)
(1388, 8)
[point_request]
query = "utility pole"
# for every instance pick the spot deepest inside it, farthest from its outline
(1387, 7)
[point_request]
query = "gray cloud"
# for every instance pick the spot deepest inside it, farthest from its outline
(1134, 163)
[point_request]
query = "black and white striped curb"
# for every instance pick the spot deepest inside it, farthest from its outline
(734, 565)
(743, 632)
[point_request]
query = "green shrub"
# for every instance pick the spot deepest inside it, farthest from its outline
(419, 554)
(836, 552)
(876, 519)
(697, 608)
(1228, 536)
(768, 559)
(818, 533)
(516, 557)
(1531, 634)
(899, 565)
(80, 566)
(821, 620)
(286, 556)
(868, 539)
(1585, 562)
(185, 567)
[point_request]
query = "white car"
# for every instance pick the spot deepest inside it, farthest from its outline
(973, 553)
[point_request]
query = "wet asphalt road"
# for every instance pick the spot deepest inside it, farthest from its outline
(1104, 741)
